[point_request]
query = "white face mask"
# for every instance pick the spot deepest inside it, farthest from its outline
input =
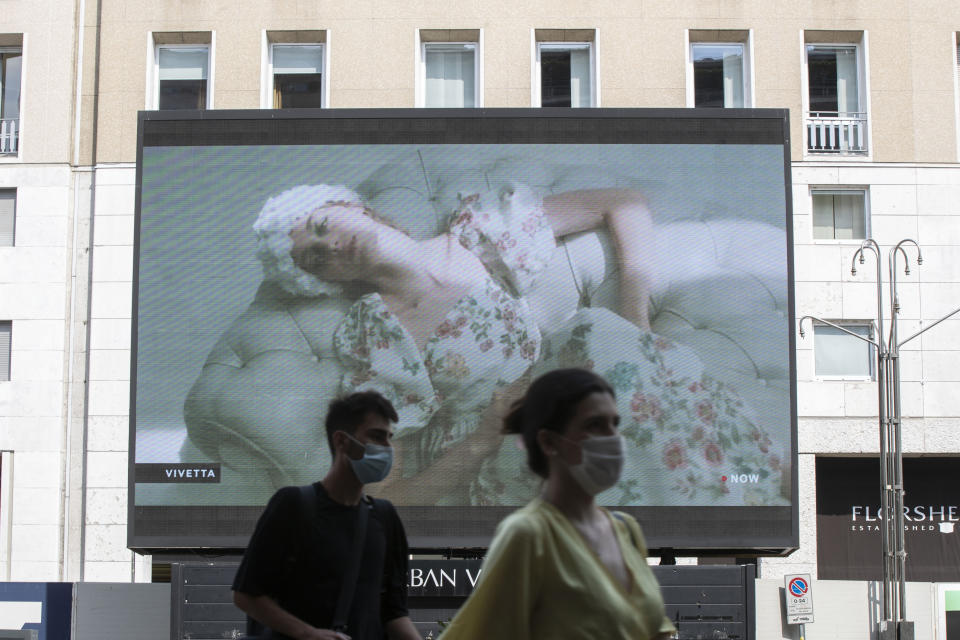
(600, 464)
(375, 464)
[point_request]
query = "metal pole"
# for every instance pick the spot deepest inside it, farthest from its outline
(883, 413)
(897, 422)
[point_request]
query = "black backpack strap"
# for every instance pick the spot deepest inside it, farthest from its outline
(342, 612)
(308, 504)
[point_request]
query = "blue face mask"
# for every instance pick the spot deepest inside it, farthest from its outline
(375, 464)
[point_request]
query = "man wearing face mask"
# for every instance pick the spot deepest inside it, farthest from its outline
(327, 562)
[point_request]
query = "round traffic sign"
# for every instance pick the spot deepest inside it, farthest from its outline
(798, 587)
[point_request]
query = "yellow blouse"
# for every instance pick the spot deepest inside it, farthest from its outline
(541, 580)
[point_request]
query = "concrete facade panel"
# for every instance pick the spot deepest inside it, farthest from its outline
(109, 397)
(108, 433)
(36, 506)
(110, 333)
(36, 470)
(105, 543)
(106, 469)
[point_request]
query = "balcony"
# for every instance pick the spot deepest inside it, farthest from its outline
(9, 135)
(837, 132)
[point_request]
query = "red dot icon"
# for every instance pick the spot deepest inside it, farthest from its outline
(723, 478)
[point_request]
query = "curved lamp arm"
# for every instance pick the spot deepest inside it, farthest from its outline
(836, 326)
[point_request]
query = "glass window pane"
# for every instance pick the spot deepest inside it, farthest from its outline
(823, 216)
(8, 206)
(837, 354)
(580, 78)
(718, 75)
(847, 95)
(832, 77)
(840, 216)
(450, 77)
(555, 78)
(183, 64)
(297, 76)
(182, 78)
(298, 91)
(10, 71)
(6, 330)
(298, 59)
(848, 216)
(182, 94)
(733, 77)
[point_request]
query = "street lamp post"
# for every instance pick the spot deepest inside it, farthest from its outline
(894, 623)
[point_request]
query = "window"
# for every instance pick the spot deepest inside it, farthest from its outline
(11, 68)
(8, 209)
(718, 74)
(182, 77)
(6, 327)
(839, 215)
(449, 74)
(841, 355)
(297, 75)
(836, 117)
(564, 68)
(832, 74)
(565, 78)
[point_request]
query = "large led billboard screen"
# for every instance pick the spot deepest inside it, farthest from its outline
(445, 258)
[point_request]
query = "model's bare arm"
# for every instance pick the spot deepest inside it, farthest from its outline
(461, 460)
(626, 216)
(268, 612)
(402, 629)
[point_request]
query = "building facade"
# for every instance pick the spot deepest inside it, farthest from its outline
(875, 143)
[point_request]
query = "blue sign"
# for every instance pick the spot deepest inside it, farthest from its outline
(798, 587)
(42, 606)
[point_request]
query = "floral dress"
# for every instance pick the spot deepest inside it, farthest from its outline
(488, 340)
(691, 440)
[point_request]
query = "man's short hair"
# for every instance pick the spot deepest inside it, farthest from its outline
(347, 412)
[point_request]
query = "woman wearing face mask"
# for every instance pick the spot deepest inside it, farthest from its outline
(564, 567)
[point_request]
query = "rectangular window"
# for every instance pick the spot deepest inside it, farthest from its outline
(839, 215)
(8, 211)
(566, 78)
(297, 75)
(11, 69)
(718, 74)
(6, 330)
(836, 117)
(450, 74)
(841, 355)
(183, 72)
(832, 76)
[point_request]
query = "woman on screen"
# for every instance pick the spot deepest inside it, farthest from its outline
(442, 328)
(438, 326)
(563, 567)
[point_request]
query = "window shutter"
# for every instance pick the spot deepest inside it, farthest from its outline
(5, 331)
(8, 207)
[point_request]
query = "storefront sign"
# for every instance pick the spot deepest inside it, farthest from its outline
(850, 519)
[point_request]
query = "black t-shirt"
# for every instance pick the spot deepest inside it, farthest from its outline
(301, 565)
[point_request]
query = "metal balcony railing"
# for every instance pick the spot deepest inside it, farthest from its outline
(9, 135)
(838, 132)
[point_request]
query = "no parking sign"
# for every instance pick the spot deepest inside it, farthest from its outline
(799, 598)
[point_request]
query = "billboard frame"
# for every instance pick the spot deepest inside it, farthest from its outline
(556, 125)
